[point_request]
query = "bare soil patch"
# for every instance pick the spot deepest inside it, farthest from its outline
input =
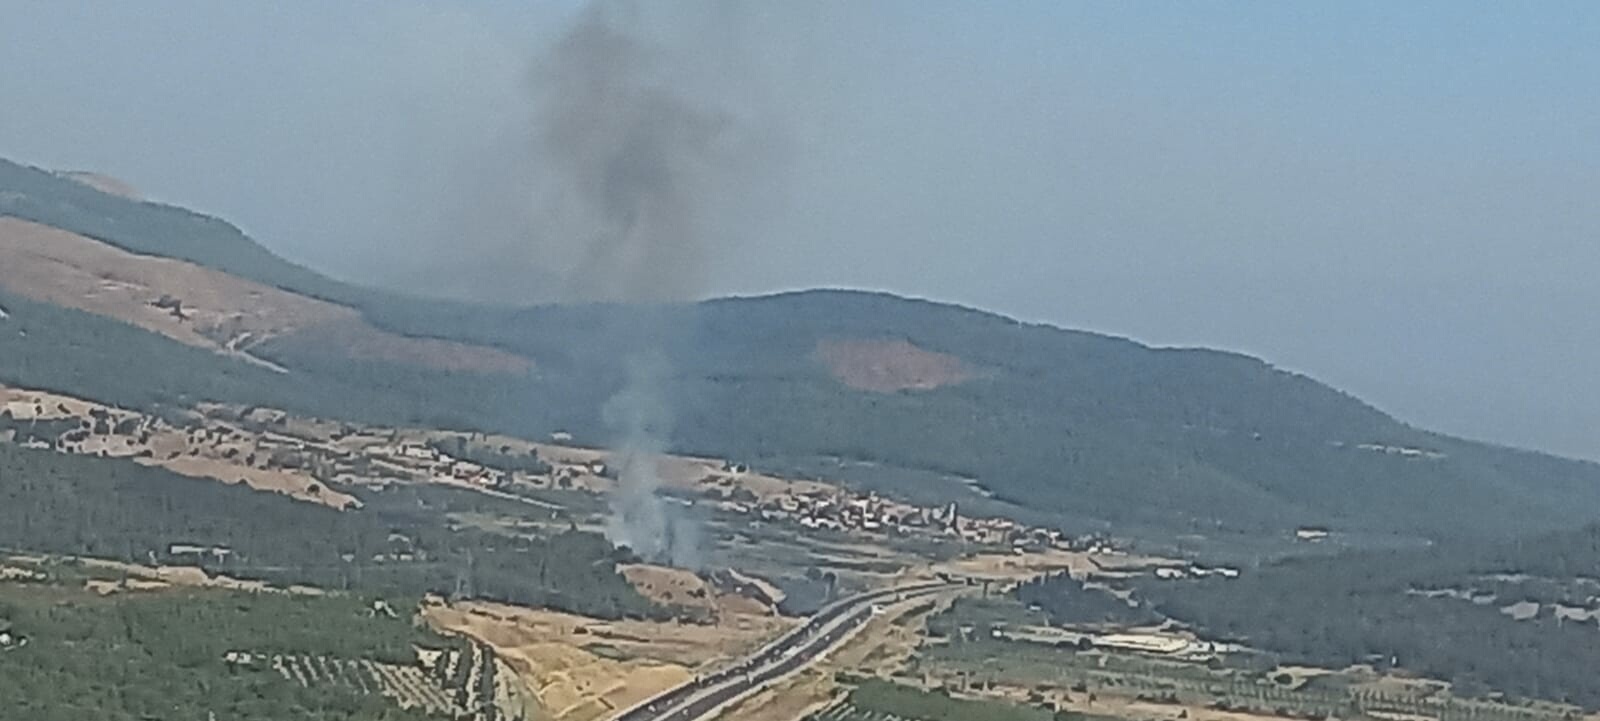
(106, 588)
(1006, 566)
(105, 184)
(879, 648)
(207, 308)
(680, 644)
(357, 340)
(297, 484)
(885, 366)
(151, 578)
(169, 447)
(671, 586)
(582, 668)
(807, 692)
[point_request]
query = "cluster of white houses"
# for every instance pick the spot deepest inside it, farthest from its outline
(844, 510)
(259, 438)
(1194, 570)
(423, 462)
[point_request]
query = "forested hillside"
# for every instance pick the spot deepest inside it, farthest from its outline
(1521, 618)
(1086, 427)
(399, 544)
(154, 229)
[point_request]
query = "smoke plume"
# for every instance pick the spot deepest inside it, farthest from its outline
(639, 518)
(639, 143)
(638, 148)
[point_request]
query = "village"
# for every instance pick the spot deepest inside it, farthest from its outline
(323, 462)
(845, 510)
(271, 450)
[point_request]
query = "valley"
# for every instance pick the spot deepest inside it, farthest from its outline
(1036, 620)
(1183, 447)
(232, 486)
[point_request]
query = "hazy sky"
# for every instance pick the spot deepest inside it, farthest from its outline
(1399, 198)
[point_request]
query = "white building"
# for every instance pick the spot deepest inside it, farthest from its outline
(1311, 534)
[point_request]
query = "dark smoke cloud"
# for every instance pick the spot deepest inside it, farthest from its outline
(642, 144)
(632, 158)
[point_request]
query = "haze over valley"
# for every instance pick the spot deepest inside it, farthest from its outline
(606, 361)
(1390, 202)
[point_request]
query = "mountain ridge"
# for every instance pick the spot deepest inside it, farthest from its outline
(1083, 427)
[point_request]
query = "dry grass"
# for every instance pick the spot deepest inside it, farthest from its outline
(43, 405)
(170, 448)
(106, 588)
(881, 647)
(297, 484)
(139, 577)
(792, 699)
(1010, 566)
(16, 573)
(582, 668)
(886, 643)
(671, 586)
(220, 312)
(1007, 566)
(681, 644)
(556, 655)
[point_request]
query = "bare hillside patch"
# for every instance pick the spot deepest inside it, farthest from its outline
(219, 453)
(357, 340)
(208, 308)
(885, 366)
(671, 586)
(105, 184)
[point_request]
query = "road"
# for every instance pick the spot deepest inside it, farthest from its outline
(798, 648)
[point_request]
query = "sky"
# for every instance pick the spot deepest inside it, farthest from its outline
(1398, 199)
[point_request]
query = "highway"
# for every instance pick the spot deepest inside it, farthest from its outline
(819, 634)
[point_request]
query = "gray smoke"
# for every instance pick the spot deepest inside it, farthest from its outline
(640, 519)
(632, 157)
(639, 141)
(638, 149)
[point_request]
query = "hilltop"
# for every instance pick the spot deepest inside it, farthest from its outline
(155, 307)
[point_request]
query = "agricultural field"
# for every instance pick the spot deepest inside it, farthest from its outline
(576, 667)
(883, 701)
(506, 538)
(470, 685)
(71, 653)
(1131, 684)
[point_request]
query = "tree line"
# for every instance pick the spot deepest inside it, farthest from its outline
(1413, 610)
(400, 543)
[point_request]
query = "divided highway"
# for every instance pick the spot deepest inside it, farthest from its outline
(695, 699)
